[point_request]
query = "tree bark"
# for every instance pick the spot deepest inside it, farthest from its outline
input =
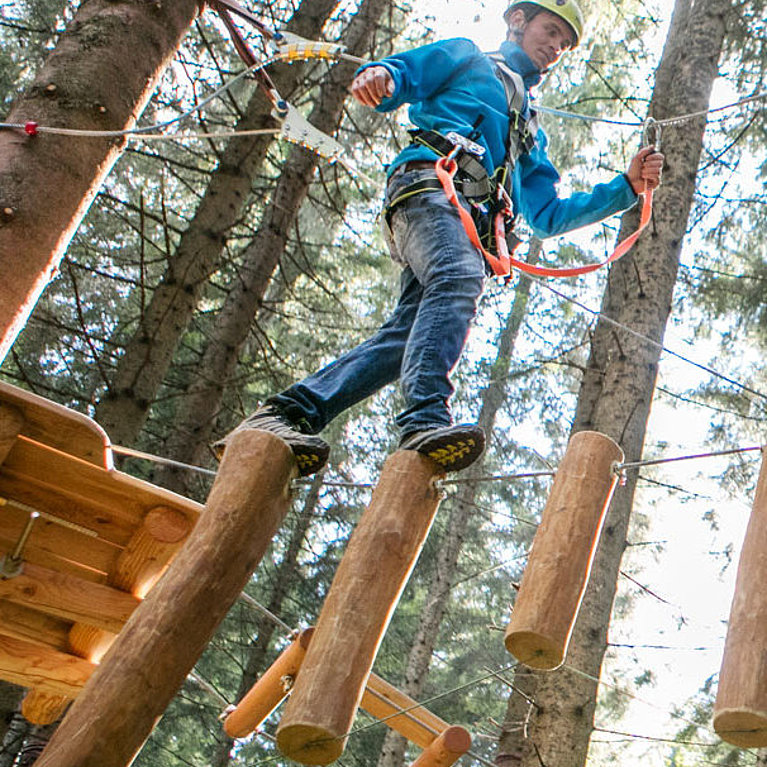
(618, 385)
(202, 401)
(149, 353)
(98, 77)
(393, 749)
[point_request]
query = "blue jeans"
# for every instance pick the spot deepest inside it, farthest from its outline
(442, 279)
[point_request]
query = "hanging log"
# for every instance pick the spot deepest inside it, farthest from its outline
(562, 553)
(379, 558)
(740, 710)
(151, 657)
(270, 690)
(446, 750)
(380, 699)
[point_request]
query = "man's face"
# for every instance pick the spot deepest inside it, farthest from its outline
(545, 38)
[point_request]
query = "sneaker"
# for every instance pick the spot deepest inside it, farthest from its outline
(311, 452)
(452, 447)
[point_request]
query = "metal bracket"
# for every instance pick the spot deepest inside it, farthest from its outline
(12, 564)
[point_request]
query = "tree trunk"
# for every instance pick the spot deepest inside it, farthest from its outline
(149, 353)
(419, 659)
(98, 77)
(203, 398)
(617, 388)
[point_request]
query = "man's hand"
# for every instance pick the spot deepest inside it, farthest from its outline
(645, 167)
(371, 85)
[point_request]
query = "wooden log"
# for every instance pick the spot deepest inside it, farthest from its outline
(67, 597)
(380, 699)
(48, 670)
(150, 550)
(90, 642)
(11, 422)
(563, 551)
(740, 710)
(417, 724)
(149, 660)
(42, 708)
(270, 690)
(446, 750)
(381, 553)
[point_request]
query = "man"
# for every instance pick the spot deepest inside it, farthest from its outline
(454, 91)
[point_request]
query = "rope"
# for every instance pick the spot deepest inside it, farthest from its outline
(33, 128)
(664, 122)
(652, 341)
(657, 461)
(159, 460)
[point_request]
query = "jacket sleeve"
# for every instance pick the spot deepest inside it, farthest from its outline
(549, 215)
(421, 72)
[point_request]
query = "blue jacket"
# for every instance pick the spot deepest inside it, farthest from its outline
(448, 85)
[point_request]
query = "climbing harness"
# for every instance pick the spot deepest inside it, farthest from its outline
(459, 168)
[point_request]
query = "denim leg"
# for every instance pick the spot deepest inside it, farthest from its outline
(320, 397)
(429, 235)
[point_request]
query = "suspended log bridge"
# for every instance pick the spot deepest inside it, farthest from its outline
(740, 710)
(368, 583)
(563, 551)
(442, 744)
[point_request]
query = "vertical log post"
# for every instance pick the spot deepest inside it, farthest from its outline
(43, 708)
(446, 750)
(740, 710)
(270, 690)
(381, 553)
(563, 551)
(149, 660)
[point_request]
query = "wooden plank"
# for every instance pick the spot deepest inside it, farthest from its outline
(57, 547)
(110, 503)
(70, 598)
(153, 654)
(373, 572)
(45, 669)
(57, 426)
(33, 626)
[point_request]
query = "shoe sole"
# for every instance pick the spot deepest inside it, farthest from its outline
(452, 452)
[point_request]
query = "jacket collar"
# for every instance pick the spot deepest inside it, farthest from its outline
(521, 63)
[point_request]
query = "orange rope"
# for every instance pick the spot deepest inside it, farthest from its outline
(501, 264)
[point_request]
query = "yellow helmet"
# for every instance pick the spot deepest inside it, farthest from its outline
(567, 10)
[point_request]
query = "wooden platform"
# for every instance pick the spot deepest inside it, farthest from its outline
(98, 539)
